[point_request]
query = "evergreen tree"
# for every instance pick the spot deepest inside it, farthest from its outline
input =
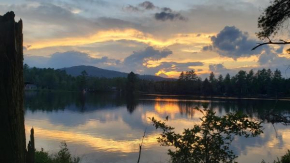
(227, 83)
(131, 84)
(181, 76)
(220, 84)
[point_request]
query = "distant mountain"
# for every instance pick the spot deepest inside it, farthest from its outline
(98, 72)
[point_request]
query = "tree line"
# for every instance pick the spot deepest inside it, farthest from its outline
(57, 79)
(265, 83)
(262, 83)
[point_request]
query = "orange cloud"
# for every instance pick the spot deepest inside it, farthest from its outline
(170, 74)
(127, 34)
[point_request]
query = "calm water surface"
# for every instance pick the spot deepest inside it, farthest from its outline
(107, 128)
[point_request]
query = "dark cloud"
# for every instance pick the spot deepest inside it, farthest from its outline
(207, 48)
(233, 43)
(169, 14)
(217, 68)
(267, 58)
(147, 5)
(164, 13)
(166, 9)
(220, 69)
(138, 61)
(163, 16)
(141, 57)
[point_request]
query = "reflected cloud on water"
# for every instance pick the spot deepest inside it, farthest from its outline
(111, 123)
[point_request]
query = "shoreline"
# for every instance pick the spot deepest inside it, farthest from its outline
(222, 97)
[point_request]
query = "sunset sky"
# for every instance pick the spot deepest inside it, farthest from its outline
(161, 37)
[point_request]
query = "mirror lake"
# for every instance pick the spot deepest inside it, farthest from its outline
(108, 127)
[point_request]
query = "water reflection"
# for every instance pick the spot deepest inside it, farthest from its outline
(109, 127)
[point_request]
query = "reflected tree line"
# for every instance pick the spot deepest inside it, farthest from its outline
(190, 145)
(51, 101)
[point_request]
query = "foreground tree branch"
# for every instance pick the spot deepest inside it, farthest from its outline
(281, 42)
(272, 20)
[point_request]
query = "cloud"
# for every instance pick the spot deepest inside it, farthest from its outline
(147, 5)
(233, 43)
(170, 66)
(163, 16)
(172, 69)
(274, 61)
(129, 34)
(220, 69)
(132, 8)
(141, 62)
(217, 67)
(46, 20)
(280, 50)
(165, 13)
(142, 57)
(168, 14)
(68, 59)
(138, 61)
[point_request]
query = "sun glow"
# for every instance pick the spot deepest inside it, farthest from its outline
(127, 34)
(170, 74)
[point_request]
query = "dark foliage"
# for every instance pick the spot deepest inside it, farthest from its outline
(62, 156)
(263, 83)
(273, 18)
(52, 79)
(210, 141)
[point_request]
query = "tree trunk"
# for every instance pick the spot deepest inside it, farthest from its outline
(12, 134)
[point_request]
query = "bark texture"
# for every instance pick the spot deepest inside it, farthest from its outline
(12, 134)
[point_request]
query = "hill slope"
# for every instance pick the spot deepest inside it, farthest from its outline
(98, 72)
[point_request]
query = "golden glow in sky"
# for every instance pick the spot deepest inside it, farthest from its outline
(127, 34)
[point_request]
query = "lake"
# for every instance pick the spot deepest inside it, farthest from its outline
(108, 128)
